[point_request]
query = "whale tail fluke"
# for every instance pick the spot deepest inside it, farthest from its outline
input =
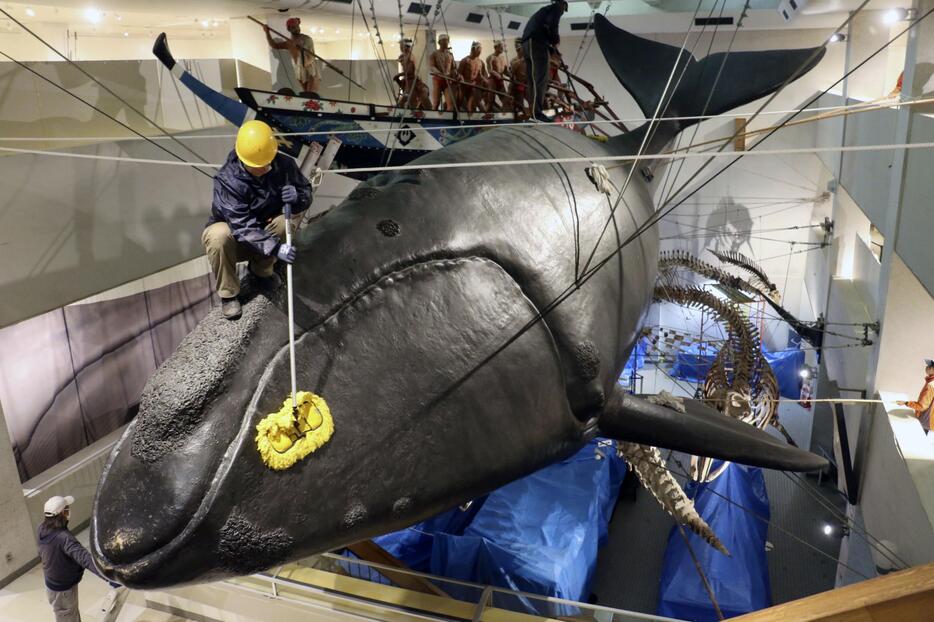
(709, 86)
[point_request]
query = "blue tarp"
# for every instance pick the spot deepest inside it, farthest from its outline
(539, 534)
(692, 366)
(636, 360)
(786, 365)
(740, 582)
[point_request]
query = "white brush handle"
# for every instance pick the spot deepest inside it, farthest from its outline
(288, 281)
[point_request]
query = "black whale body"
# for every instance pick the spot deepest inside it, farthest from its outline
(407, 298)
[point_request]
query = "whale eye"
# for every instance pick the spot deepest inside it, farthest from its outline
(390, 228)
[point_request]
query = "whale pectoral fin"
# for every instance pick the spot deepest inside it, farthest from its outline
(699, 430)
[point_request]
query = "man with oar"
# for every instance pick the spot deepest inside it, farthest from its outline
(302, 50)
(247, 221)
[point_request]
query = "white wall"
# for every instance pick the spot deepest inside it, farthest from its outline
(890, 498)
(108, 46)
(17, 541)
(906, 333)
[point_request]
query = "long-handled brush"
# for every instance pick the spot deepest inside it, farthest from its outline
(304, 422)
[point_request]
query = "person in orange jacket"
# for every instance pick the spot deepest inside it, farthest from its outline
(925, 401)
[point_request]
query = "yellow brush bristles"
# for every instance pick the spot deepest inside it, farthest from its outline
(282, 442)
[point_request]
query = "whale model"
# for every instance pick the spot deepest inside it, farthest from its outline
(425, 320)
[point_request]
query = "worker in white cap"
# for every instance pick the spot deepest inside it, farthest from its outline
(64, 560)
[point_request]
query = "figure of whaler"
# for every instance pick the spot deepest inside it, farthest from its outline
(302, 50)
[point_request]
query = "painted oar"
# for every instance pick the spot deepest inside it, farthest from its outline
(232, 110)
(323, 61)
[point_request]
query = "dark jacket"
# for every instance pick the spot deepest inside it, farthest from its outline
(247, 203)
(543, 25)
(63, 559)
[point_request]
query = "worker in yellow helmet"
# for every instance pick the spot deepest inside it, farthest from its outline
(247, 223)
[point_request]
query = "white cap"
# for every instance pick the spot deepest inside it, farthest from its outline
(56, 505)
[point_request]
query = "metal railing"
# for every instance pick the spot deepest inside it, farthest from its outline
(481, 598)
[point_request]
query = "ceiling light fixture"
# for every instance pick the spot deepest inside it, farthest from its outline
(30, 12)
(837, 37)
(895, 15)
(93, 15)
(205, 23)
(126, 34)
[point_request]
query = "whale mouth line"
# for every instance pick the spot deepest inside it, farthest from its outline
(136, 569)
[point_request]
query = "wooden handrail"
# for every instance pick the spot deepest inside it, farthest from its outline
(906, 596)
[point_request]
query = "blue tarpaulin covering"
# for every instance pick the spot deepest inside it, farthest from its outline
(740, 582)
(692, 366)
(636, 359)
(539, 534)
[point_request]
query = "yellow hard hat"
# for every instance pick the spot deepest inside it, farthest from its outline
(256, 146)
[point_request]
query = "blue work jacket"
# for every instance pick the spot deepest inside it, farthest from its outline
(248, 203)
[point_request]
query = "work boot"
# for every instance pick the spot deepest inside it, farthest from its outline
(230, 307)
(267, 283)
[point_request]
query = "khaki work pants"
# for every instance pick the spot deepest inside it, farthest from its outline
(64, 604)
(224, 252)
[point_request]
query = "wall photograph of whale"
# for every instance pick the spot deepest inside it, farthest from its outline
(457, 349)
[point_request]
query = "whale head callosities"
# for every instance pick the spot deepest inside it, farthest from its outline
(407, 318)
(465, 326)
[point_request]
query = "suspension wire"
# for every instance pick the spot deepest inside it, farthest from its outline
(853, 526)
(401, 26)
(454, 127)
(353, 16)
(700, 570)
(590, 41)
(663, 101)
(182, 161)
(439, 10)
(783, 255)
(488, 163)
(102, 86)
(418, 69)
(593, 13)
(710, 236)
(384, 65)
(739, 24)
(776, 179)
(851, 16)
(684, 473)
(751, 231)
(653, 130)
(502, 34)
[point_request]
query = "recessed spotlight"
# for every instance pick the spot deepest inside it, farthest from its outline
(93, 15)
(126, 34)
(205, 23)
(119, 18)
(837, 37)
(828, 529)
(30, 12)
(895, 15)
